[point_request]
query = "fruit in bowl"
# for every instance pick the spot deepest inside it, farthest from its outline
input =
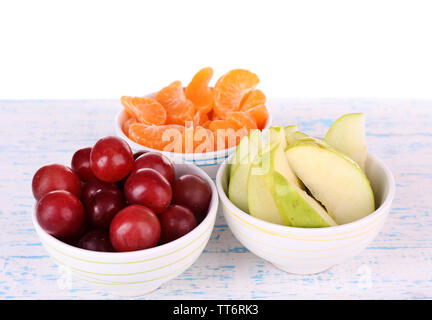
(198, 123)
(127, 249)
(109, 201)
(309, 203)
(197, 118)
(300, 181)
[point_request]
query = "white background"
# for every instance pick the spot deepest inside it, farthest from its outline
(105, 49)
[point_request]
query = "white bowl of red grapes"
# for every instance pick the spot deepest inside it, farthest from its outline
(122, 221)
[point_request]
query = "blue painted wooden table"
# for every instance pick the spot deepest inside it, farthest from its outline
(396, 265)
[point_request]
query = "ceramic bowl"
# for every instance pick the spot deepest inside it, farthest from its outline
(309, 250)
(133, 273)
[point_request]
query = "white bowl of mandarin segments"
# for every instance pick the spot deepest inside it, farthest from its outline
(134, 273)
(309, 250)
(208, 161)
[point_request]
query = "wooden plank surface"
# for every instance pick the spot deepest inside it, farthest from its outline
(396, 265)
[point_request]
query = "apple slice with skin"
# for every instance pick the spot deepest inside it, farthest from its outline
(248, 148)
(297, 208)
(237, 154)
(335, 180)
(261, 203)
(276, 199)
(292, 137)
(289, 129)
(237, 187)
(276, 135)
(279, 162)
(347, 135)
(278, 141)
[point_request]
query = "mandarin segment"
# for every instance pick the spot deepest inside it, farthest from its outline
(230, 90)
(251, 99)
(126, 102)
(207, 124)
(242, 120)
(222, 125)
(127, 124)
(136, 133)
(260, 114)
(200, 118)
(198, 90)
(158, 137)
(145, 110)
(179, 108)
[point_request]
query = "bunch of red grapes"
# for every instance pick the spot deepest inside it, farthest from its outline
(113, 200)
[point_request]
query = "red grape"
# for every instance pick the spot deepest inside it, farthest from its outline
(81, 164)
(158, 162)
(139, 153)
(73, 240)
(55, 177)
(176, 221)
(194, 193)
(120, 184)
(60, 213)
(96, 240)
(134, 228)
(103, 206)
(91, 187)
(111, 159)
(149, 188)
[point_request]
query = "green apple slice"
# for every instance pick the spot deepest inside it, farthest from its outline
(335, 180)
(241, 148)
(238, 186)
(277, 136)
(290, 129)
(292, 137)
(277, 144)
(280, 164)
(248, 149)
(347, 135)
(248, 146)
(261, 203)
(296, 207)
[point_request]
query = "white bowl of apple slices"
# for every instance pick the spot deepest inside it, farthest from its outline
(302, 203)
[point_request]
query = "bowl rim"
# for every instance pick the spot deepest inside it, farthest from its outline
(308, 231)
(197, 232)
(212, 155)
